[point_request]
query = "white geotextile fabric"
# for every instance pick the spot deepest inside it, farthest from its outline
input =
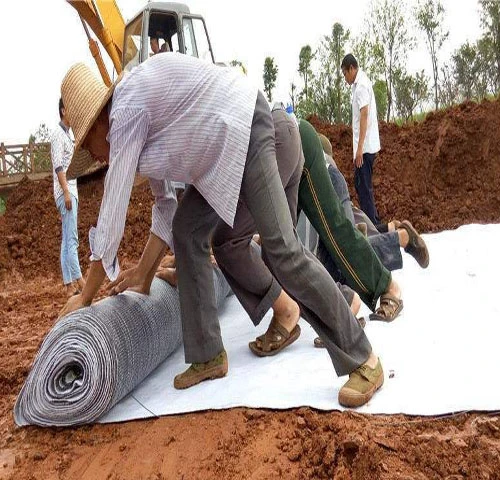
(95, 356)
(442, 352)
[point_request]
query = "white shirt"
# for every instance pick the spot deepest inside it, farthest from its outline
(362, 95)
(173, 118)
(61, 151)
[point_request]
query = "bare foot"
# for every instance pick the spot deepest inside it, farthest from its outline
(286, 311)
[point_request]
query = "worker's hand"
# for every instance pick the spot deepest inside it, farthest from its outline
(130, 279)
(74, 303)
(168, 274)
(358, 159)
(67, 200)
(168, 261)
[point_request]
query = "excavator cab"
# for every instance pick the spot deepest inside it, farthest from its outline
(165, 27)
(158, 27)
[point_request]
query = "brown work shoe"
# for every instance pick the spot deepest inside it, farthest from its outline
(198, 372)
(416, 246)
(361, 386)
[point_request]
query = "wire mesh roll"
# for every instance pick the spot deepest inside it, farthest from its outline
(95, 356)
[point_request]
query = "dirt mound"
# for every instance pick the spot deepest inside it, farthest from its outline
(440, 174)
(30, 230)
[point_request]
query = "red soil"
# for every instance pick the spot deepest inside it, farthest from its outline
(440, 174)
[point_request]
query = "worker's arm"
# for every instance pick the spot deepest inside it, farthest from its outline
(57, 154)
(61, 176)
(139, 278)
(94, 281)
(126, 137)
(363, 125)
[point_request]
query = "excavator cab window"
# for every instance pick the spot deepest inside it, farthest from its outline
(162, 32)
(196, 41)
(132, 44)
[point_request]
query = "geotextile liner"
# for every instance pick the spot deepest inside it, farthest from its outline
(95, 356)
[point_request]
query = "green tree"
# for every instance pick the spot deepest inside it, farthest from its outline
(448, 88)
(270, 75)
(409, 92)
(430, 14)
(237, 63)
(380, 92)
(336, 45)
(41, 155)
(364, 51)
(305, 59)
(490, 21)
(329, 94)
(471, 69)
(390, 40)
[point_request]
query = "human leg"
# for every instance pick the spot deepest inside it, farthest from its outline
(353, 256)
(192, 225)
(72, 242)
(364, 187)
(300, 274)
(242, 263)
(65, 266)
(386, 246)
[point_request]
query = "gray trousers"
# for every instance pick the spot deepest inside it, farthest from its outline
(243, 263)
(294, 268)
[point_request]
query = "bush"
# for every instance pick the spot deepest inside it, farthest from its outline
(3, 205)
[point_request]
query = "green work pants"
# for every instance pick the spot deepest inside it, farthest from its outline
(349, 249)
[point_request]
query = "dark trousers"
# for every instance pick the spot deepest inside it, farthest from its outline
(364, 187)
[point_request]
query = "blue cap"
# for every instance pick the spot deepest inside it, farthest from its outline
(289, 109)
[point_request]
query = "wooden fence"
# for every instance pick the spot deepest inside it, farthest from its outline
(16, 161)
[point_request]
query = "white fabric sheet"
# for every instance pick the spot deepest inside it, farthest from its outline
(442, 350)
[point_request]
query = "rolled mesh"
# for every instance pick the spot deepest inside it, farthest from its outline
(95, 356)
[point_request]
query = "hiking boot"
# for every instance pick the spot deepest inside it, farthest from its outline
(198, 372)
(361, 386)
(416, 246)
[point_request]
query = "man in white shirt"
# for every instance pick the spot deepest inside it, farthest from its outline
(366, 141)
(210, 128)
(66, 197)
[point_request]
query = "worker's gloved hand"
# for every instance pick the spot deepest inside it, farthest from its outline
(130, 279)
(74, 303)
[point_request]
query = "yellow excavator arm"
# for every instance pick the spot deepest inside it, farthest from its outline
(106, 21)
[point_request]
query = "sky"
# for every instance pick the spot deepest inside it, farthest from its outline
(41, 39)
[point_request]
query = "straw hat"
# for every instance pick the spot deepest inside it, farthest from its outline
(84, 96)
(327, 146)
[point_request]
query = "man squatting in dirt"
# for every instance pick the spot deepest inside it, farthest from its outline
(66, 197)
(209, 128)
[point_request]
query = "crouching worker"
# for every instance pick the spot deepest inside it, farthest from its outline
(207, 127)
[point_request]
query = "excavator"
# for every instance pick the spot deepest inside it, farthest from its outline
(157, 27)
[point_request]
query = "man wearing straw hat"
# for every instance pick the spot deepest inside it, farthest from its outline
(207, 127)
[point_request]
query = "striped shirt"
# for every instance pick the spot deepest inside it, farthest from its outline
(61, 151)
(173, 118)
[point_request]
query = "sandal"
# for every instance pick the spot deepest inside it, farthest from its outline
(390, 307)
(318, 343)
(274, 340)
